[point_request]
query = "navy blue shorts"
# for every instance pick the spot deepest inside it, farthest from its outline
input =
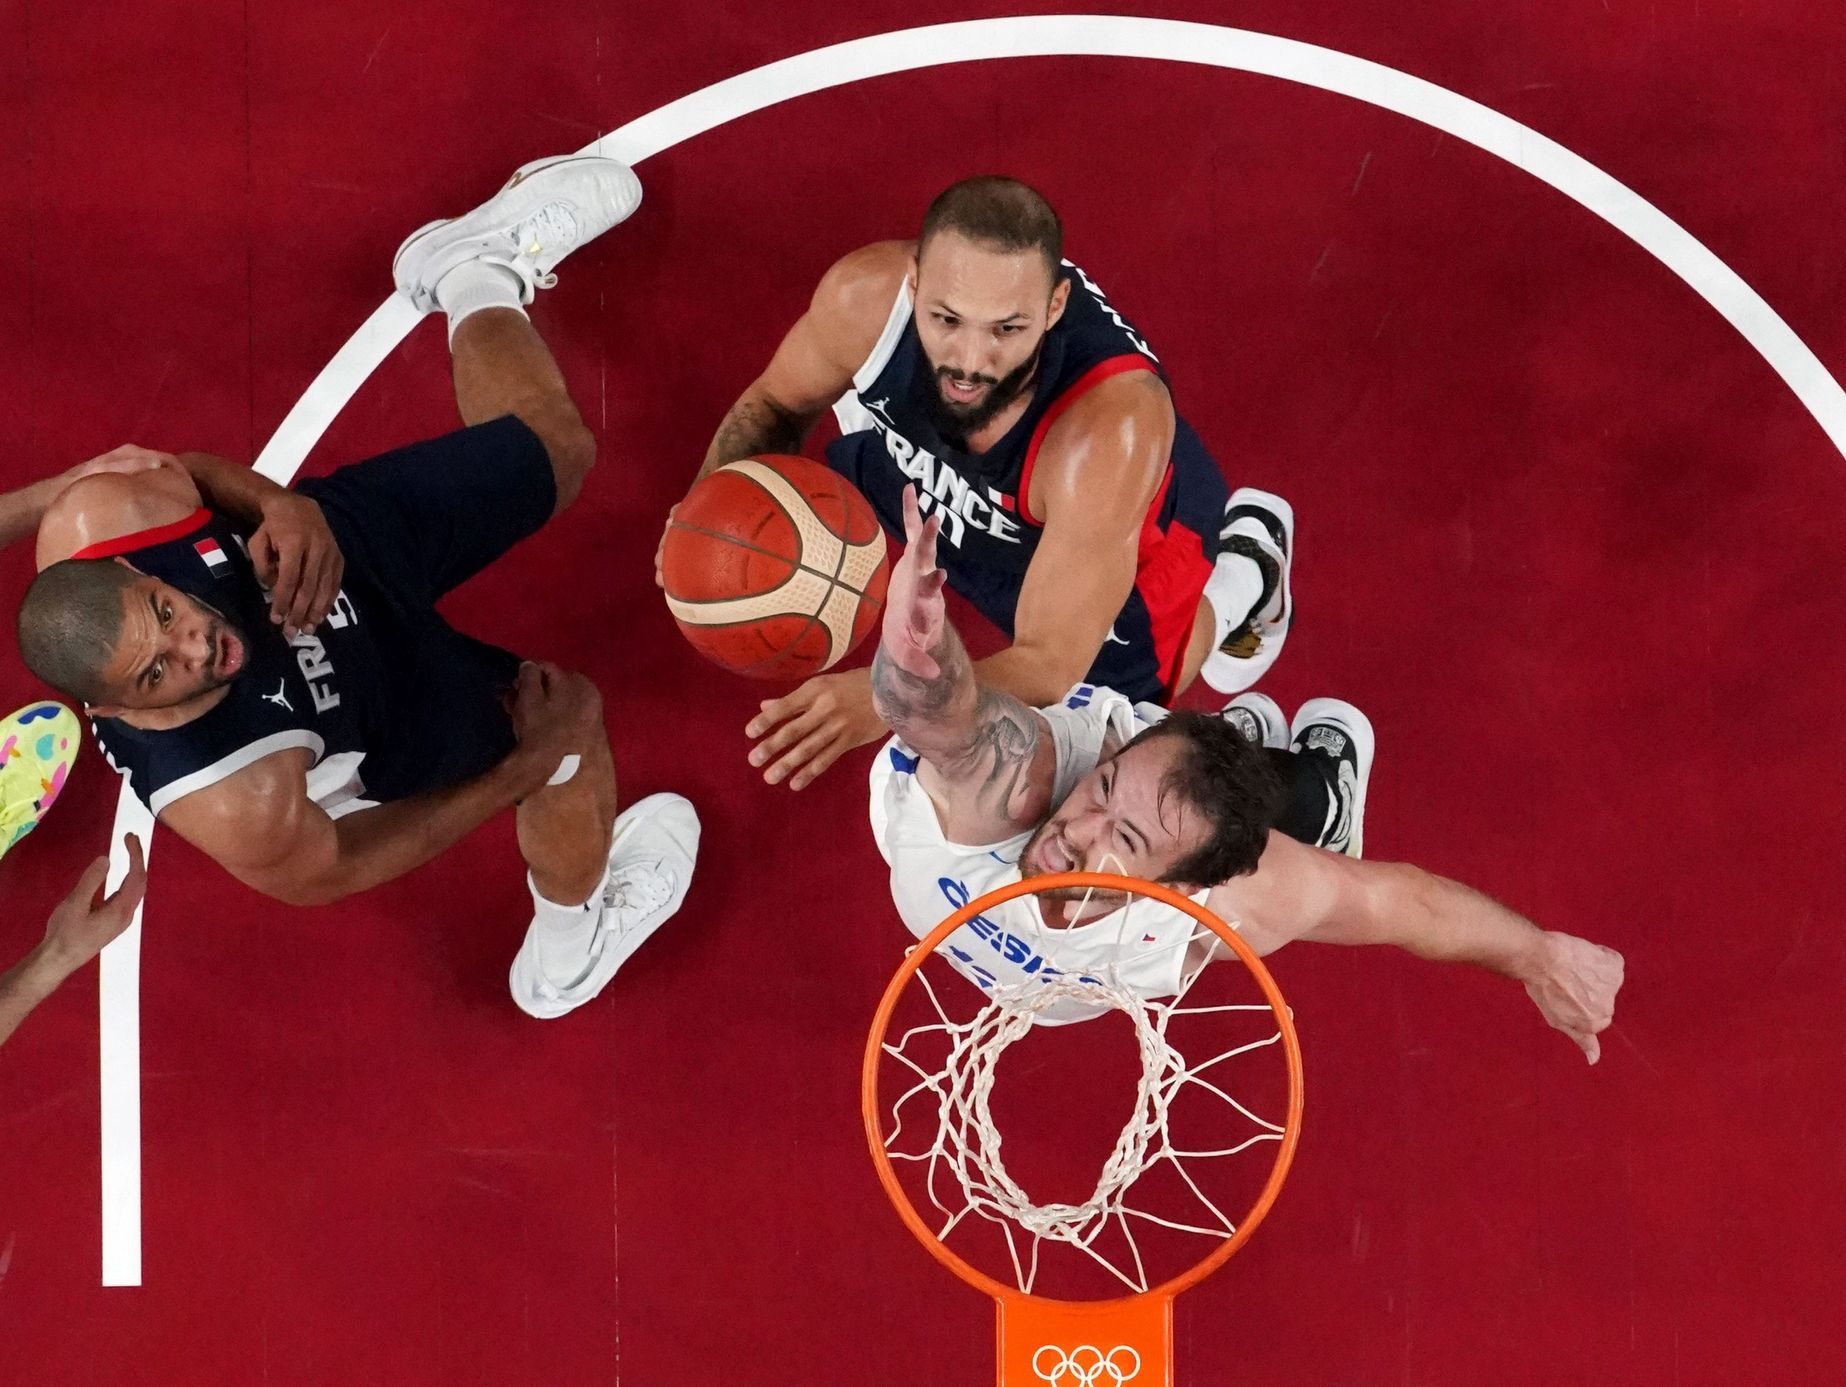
(420, 521)
(414, 524)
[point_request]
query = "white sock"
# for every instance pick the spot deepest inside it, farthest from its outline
(1234, 589)
(474, 285)
(564, 932)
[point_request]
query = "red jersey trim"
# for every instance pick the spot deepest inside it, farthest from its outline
(1088, 381)
(1171, 580)
(141, 539)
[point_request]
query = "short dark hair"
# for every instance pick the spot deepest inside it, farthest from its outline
(994, 210)
(1230, 781)
(69, 624)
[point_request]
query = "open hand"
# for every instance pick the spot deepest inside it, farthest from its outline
(84, 921)
(914, 607)
(808, 730)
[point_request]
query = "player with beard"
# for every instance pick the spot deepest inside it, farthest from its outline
(268, 668)
(977, 789)
(1081, 514)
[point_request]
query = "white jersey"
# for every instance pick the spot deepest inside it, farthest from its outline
(931, 876)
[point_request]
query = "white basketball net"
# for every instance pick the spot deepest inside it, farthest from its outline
(964, 1147)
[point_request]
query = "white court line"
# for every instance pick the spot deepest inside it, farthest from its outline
(907, 50)
(118, 994)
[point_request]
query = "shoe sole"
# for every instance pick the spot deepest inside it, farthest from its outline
(1343, 715)
(1268, 713)
(1258, 501)
(610, 961)
(519, 176)
(1227, 673)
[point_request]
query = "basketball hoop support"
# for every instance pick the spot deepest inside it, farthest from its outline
(1039, 1337)
(1127, 1342)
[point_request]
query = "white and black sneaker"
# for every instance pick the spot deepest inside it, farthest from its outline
(548, 208)
(1259, 526)
(1259, 718)
(1337, 732)
(652, 849)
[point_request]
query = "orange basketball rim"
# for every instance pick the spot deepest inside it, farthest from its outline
(1124, 1342)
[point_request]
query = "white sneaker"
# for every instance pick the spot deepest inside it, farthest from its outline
(651, 856)
(547, 209)
(1258, 525)
(1333, 729)
(1259, 718)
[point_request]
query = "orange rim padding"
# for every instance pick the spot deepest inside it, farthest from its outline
(1010, 1297)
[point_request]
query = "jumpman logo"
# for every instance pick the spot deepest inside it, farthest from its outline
(280, 696)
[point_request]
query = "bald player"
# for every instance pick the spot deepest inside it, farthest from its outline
(85, 920)
(268, 668)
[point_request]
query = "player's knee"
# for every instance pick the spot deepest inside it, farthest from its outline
(572, 450)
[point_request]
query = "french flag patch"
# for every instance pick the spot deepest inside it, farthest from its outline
(214, 557)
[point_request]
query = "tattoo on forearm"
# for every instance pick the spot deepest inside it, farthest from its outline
(751, 428)
(1006, 742)
(971, 734)
(915, 707)
(905, 700)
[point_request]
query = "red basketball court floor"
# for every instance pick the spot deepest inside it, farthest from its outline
(1566, 537)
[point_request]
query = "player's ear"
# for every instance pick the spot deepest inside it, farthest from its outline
(1060, 296)
(910, 275)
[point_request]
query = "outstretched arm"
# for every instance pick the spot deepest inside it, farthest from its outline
(987, 763)
(77, 931)
(1572, 981)
(1322, 896)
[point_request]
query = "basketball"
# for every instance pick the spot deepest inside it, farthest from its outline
(774, 567)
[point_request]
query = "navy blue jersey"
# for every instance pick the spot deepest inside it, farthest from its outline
(313, 692)
(387, 697)
(988, 532)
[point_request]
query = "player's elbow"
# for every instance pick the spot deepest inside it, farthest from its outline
(301, 893)
(571, 448)
(297, 887)
(62, 528)
(1041, 675)
(782, 422)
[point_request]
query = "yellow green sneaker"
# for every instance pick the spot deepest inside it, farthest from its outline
(37, 745)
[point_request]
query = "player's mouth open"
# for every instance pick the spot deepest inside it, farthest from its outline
(962, 390)
(230, 655)
(1052, 855)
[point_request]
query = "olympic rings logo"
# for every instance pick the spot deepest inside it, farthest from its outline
(1086, 1366)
